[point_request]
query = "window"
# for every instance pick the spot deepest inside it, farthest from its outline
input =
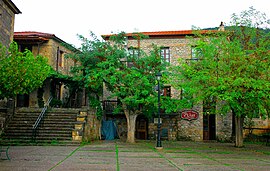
(165, 54)
(133, 53)
(196, 53)
(166, 91)
(61, 59)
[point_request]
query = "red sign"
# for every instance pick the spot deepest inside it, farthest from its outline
(189, 115)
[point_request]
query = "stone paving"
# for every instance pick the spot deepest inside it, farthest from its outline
(141, 156)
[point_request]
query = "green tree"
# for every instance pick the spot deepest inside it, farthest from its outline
(233, 69)
(21, 72)
(106, 63)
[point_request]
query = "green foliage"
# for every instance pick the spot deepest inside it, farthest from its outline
(21, 72)
(234, 67)
(105, 63)
(56, 103)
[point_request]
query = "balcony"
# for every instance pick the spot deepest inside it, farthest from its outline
(109, 106)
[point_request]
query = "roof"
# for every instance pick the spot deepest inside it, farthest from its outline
(12, 6)
(38, 37)
(32, 35)
(162, 33)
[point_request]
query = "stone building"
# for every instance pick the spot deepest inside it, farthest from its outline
(55, 49)
(175, 45)
(7, 17)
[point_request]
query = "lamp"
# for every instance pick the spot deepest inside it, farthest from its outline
(158, 76)
(159, 145)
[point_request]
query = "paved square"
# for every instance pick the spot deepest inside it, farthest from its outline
(141, 156)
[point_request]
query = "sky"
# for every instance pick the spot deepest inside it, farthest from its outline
(68, 18)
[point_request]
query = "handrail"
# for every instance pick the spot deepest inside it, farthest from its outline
(40, 118)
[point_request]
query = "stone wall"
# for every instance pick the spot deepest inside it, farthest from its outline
(224, 127)
(92, 127)
(177, 128)
(259, 125)
(180, 48)
(3, 113)
(49, 50)
(6, 24)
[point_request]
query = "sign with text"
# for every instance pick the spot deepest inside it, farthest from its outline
(189, 115)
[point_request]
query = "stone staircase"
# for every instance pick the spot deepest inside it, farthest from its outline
(59, 127)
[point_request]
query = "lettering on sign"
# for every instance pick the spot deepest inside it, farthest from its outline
(189, 115)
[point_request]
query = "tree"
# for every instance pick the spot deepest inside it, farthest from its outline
(21, 72)
(106, 63)
(232, 68)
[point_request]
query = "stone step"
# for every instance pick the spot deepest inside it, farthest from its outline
(49, 110)
(15, 142)
(42, 131)
(40, 134)
(16, 118)
(58, 125)
(41, 137)
(60, 121)
(51, 128)
(26, 117)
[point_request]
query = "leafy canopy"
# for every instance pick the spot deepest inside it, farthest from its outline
(21, 72)
(129, 78)
(232, 66)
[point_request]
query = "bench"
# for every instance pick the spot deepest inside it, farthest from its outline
(4, 149)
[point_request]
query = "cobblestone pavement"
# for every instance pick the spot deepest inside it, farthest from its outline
(141, 156)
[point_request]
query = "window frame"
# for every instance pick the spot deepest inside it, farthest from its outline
(165, 54)
(196, 53)
(134, 53)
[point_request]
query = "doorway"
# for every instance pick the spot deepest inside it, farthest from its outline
(141, 127)
(22, 100)
(209, 119)
(209, 127)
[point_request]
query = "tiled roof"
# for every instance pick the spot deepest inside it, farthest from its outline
(38, 37)
(33, 35)
(163, 33)
(166, 33)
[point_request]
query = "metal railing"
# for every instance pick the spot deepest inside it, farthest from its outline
(40, 118)
(109, 106)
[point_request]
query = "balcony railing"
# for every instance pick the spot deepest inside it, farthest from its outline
(109, 106)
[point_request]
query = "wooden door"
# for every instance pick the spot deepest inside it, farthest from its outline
(209, 127)
(141, 128)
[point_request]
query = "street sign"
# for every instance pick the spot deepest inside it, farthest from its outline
(189, 115)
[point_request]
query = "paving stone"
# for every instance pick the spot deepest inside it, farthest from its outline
(142, 156)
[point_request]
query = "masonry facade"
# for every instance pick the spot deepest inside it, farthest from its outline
(54, 49)
(175, 45)
(7, 17)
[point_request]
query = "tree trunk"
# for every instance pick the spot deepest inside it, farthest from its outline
(131, 122)
(239, 131)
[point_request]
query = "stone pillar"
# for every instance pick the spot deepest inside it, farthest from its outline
(92, 127)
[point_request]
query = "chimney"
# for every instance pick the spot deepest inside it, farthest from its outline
(221, 27)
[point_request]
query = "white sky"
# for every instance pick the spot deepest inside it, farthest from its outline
(67, 18)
